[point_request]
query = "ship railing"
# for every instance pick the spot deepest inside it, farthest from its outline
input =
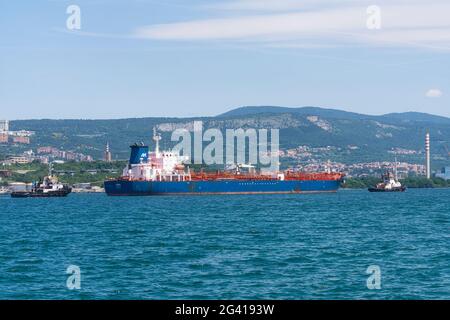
(228, 176)
(202, 176)
(313, 176)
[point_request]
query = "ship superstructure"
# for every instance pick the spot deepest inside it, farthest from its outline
(155, 166)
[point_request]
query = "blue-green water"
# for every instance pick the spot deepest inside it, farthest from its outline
(227, 247)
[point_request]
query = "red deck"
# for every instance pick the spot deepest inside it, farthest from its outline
(288, 176)
(198, 176)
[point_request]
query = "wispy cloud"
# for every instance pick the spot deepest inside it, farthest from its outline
(422, 23)
(289, 5)
(93, 34)
(275, 5)
(434, 93)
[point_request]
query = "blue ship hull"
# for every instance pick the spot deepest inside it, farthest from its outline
(148, 188)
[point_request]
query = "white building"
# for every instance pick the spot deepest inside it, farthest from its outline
(17, 160)
(4, 125)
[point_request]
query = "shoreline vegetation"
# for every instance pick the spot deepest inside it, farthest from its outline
(71, 172)
(97, 172)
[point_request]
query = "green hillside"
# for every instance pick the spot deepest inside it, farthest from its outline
(370, 137)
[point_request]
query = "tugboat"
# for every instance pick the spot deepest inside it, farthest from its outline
(390, 183)
(48, 187)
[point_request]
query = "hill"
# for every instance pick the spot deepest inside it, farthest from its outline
(351, 137)
(323, 112)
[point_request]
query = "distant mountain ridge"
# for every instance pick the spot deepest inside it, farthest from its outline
(334, 113)
(252, 110)
(351, 137)
(418, 116)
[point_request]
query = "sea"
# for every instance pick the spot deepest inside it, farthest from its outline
(349, 245)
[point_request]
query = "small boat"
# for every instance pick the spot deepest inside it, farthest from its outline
(48, 187)
(390, 183)
(388, 187)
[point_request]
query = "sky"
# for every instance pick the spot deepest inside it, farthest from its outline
(183, 58)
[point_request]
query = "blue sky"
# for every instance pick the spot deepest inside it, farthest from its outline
(195, 57)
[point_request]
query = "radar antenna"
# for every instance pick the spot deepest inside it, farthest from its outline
(156, 138)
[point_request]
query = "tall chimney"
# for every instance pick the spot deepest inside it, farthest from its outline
(427, 151)
(108, 156)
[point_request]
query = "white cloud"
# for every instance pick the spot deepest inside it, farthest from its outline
(274, 5)
(289, 5)
(251, 27)
(423, 24)
(434, 93)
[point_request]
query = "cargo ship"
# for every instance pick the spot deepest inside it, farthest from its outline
(164, 173)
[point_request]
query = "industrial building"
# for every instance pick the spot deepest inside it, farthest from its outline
(444, 174)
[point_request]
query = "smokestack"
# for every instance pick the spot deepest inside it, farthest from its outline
(427, 151)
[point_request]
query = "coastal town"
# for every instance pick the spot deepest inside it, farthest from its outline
(303, 158)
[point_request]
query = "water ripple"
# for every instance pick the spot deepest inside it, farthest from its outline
(227, 247)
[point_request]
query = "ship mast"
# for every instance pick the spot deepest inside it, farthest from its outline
(50, 169)
(156, 138)
(395, 170)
